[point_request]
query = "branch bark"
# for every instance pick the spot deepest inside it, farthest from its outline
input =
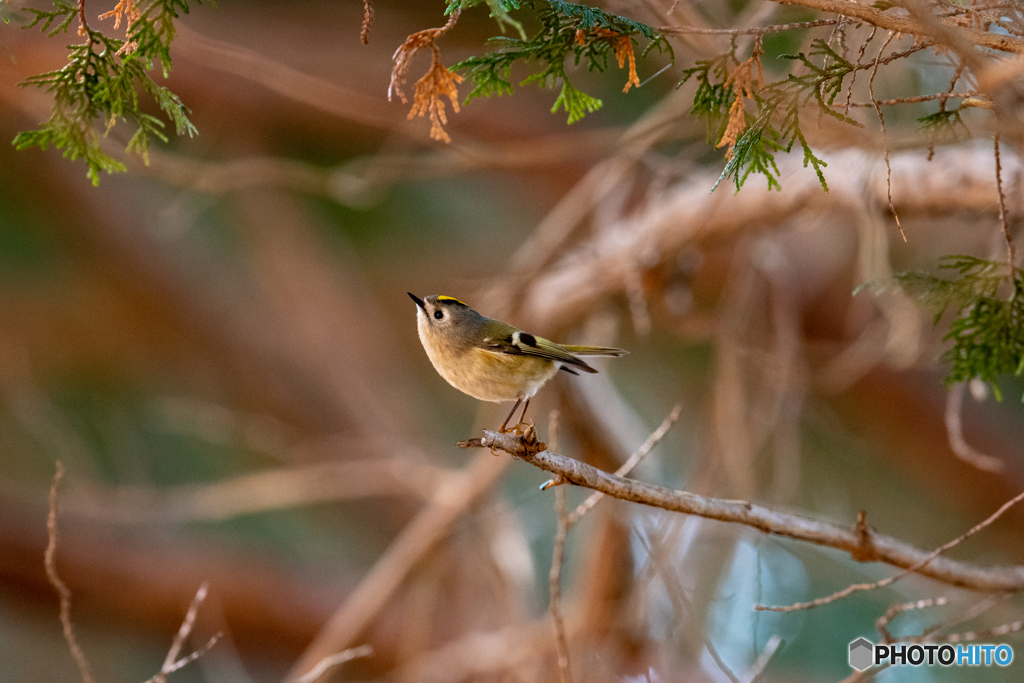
(862, 542)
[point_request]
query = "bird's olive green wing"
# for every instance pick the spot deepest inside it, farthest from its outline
(525, 344)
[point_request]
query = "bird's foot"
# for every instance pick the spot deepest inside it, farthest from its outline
(523, 428)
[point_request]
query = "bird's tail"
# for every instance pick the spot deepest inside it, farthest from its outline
(594, 350)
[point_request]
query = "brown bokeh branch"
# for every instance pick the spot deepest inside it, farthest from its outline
(1011, 257)
(639, 454)
(555, 587)
(890, 20)
(885, 139)
(332, 661)
(258, 492)
(687, 216)
(172, 662)
(864, 544)
(882, 623)
(411, 546)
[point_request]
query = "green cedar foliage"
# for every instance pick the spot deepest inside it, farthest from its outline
(102, 82)
(499, 11)
(945, 126)
(988, 333)
(567, 31)
(776, 125)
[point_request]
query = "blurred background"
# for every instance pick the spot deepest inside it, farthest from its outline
(220, 350)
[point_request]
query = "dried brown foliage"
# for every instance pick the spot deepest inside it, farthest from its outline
(436, 84)
(742, 82)
(623, 48)
(127, 10)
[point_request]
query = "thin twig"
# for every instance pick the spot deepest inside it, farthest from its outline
(171, 662)
(865, 547)
(882, 623)
(416, 540)
(332, 661)
(555, 587)
(955, 433)
(83, 24)
(885, 141)
(754, 31)
(920, 564)
(555, 574)
(911, 25)
(853, 78)
(909, 100)
(1010, 256)
(1001, 630)
(49, 562)
(942, 104)
(977, 610)
(631, 462)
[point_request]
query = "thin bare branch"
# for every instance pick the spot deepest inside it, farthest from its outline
(910, 25)
(259, 491)
(415, 541)
(864, 544)
(631, 462)
(62, 590)
(1011, 258)
(555, 574)
(929, 634)
(754, 31)
(910, 100)
(172, 662)
(917, 566)
(882, 623)
(885, 141)
(555, 587)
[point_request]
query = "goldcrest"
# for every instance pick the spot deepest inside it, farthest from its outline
(491, 360)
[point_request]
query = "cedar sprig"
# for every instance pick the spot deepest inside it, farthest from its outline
(499, 11)
(725, 85)
(569, 33)
(988, 333)
(102, 81)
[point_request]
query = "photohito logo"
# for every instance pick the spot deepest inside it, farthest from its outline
(864, 653)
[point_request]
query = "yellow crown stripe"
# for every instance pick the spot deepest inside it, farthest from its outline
(451, 299)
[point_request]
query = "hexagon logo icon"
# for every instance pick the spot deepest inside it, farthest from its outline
(861, 654)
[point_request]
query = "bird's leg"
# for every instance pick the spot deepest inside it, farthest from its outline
(501, 429)
(522, 415)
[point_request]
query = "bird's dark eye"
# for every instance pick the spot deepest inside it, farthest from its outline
(438, 314)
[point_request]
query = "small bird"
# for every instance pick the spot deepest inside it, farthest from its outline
(491, 360)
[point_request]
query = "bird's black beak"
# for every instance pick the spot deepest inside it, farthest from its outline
(419, 301)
